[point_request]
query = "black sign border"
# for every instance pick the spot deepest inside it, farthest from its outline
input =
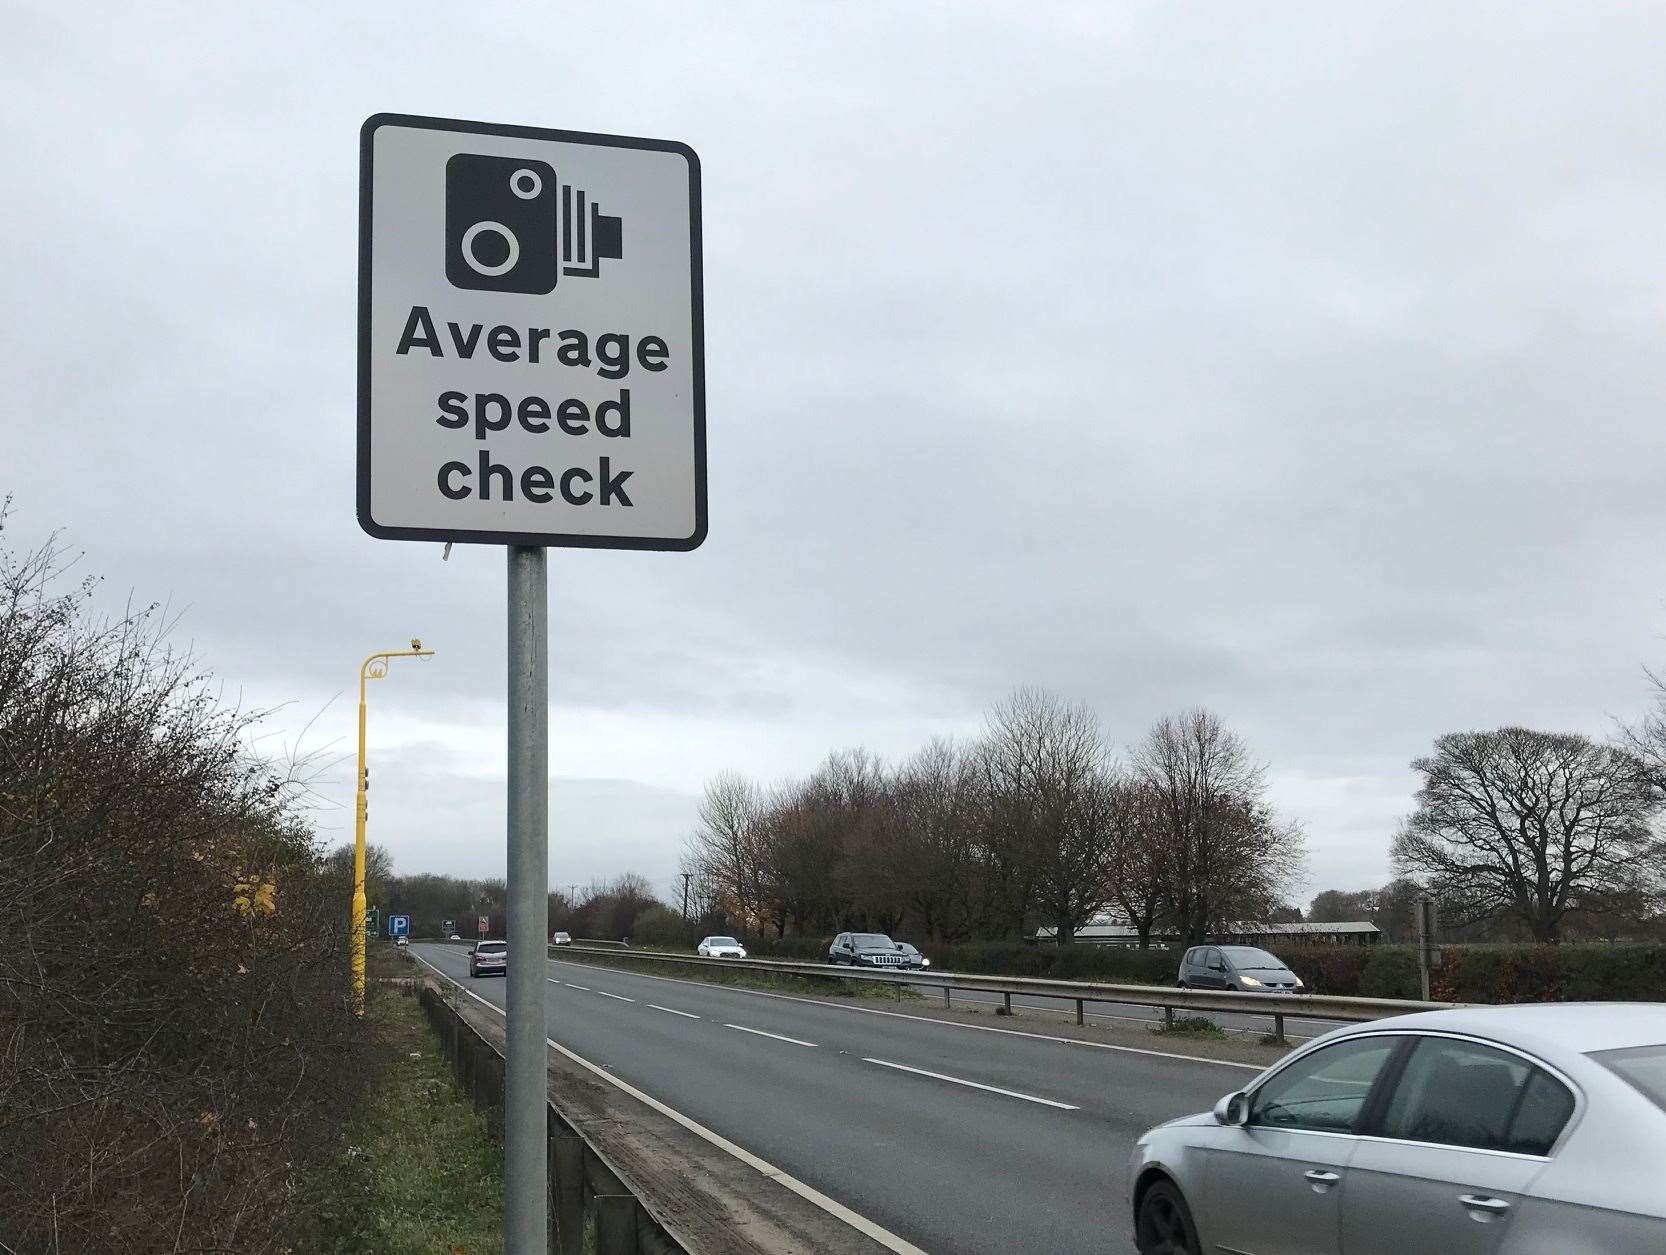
(681, 544)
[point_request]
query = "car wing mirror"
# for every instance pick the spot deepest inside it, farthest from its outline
(1233, 1109)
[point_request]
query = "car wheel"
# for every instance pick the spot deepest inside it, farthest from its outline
(1165, 1223)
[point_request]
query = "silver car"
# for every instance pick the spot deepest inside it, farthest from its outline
(1532, 1130)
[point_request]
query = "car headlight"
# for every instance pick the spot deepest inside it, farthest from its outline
(1251, 982)
(924, 962)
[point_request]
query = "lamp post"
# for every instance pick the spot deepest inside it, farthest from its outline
(372, 668)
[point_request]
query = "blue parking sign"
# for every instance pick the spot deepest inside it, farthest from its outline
(399, 925)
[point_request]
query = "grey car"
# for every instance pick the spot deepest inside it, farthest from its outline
(488, 958)
(1242, 969)
(1531, 1130)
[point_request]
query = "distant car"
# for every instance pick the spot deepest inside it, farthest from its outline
(402, 941)
(867, 950)
(560, 939)
(916, 960)
(721, 948)
(1526, 1130)
(489, 958)
(1241, 969)
(454, 937)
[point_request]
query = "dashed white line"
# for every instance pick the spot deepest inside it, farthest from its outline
(993, 1089)
(619, 997)
(687, 1015)
(927, 1019)
(570, 985)
(777, 1036)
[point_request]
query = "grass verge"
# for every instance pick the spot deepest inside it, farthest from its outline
(714, 974)
(419, 1174)
(1194, 1027)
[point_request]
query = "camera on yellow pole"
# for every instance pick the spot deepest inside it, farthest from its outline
(374, 667)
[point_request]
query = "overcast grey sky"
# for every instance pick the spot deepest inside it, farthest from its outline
(1300, 361)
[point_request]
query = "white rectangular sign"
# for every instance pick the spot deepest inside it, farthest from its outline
(531, 349)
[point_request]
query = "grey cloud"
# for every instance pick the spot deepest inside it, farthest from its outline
(1303, 367)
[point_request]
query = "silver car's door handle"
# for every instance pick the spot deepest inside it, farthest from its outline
(1476, 1202)
(1321, 1178)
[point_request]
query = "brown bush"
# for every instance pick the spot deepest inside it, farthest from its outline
(175, 1041)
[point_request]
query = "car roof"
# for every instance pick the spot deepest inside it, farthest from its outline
(1549, 1028)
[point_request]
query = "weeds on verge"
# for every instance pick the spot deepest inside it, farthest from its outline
(1192, 1026)
(419, 1174)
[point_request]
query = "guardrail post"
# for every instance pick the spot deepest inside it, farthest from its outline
(1168, 1017)
(567, 1163)
(615, 1224)
(946, 1003)
(1006, 1003)
(1278, 1026)
(1079, 1018)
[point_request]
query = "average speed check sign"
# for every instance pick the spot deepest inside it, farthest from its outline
(531, 356)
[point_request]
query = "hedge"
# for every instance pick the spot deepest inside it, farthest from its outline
(1571, 972)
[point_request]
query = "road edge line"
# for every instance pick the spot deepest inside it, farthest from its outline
(867, 1228)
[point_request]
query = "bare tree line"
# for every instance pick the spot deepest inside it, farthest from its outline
(1036, 823)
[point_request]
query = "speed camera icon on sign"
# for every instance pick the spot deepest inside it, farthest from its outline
(512, 226)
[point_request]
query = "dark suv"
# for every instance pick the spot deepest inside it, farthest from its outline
(1242, 969)
(870, 950)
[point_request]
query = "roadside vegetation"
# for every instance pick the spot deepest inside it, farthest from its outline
(177, 1039)
(418, 1172)
(1198, 1027)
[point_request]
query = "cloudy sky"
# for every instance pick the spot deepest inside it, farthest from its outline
(1300, 361)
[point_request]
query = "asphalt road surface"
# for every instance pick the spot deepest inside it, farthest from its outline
(956, 1138)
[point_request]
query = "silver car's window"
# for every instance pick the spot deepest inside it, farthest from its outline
(1323, 1091)
(1545, 1107)
(1461, 1093)
(1641, 1067)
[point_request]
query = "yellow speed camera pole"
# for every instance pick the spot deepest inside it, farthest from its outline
(372, 668)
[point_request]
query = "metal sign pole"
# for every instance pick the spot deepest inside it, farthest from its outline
(525, 1197)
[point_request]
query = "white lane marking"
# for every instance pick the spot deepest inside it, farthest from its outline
(926, 1019)
(760, 1032)
(993, 1089)
(687, 1015)
(620, 997)
(809, 1194)
(570, 985)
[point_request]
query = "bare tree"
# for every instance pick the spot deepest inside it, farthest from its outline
(1137, 886)
(1221, 854)
(1045, 764)
(725, 848)
(1646, 739)
(1529, 825)
(928, 846)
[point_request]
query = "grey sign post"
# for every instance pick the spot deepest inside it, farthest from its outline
(531, 374)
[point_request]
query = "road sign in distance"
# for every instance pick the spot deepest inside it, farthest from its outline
(399, 925)
(485, 925)
(531, 356)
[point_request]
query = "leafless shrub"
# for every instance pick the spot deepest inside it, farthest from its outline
(175, 1042)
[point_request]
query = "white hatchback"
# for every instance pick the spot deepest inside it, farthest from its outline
(721, 948)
